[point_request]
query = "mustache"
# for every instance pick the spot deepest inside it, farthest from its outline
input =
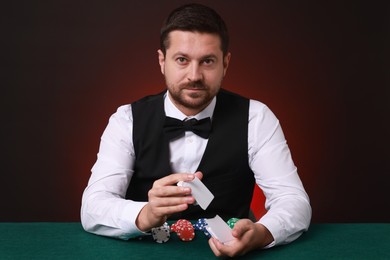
(195, 84)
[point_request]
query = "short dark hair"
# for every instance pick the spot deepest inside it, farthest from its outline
(194, 18)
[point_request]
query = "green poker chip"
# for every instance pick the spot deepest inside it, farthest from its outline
(231, 222)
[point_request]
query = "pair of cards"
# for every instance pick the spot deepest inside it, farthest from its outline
(215, 226)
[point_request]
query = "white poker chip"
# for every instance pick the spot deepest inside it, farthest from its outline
(161, 234)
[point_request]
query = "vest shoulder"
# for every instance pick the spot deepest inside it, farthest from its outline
(148, 103)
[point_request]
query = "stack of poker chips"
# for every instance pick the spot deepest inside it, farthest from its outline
(201, 225)
(184, 229)
(161, 234)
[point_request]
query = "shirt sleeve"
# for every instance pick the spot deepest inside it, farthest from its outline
(104, 210)
(287, 204)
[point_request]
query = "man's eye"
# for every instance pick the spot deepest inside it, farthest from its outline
(208, 61)
(181, 60)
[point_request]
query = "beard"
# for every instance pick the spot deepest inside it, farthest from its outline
(197, 99)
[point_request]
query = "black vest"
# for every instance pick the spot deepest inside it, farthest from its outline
(224, 164)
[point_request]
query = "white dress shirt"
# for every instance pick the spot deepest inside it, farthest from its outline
(105, 212)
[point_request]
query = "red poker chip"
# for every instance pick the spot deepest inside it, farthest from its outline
(179, 224)
(184, 230)
(186, 234)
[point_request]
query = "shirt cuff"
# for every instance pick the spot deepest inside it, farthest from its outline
(272, 244)
(129, 217)
(273, 227)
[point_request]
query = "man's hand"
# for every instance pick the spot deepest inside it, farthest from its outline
(248, 236)
(165, 198)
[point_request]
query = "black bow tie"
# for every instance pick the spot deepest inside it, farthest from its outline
(174, 127)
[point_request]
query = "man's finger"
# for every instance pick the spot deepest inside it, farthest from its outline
(231, 249)
(169, 191)
(174, 178)
(213, 247)
(165, 211)
(199, 175)
(172, 201)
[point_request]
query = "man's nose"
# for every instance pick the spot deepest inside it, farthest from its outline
(194, 73)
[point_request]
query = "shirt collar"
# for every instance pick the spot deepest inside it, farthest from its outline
(172, 111)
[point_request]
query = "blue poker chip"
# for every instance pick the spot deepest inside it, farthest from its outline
(201, 225)
(206, 233)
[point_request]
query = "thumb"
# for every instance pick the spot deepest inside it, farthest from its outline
(241, 227)
(199, 175)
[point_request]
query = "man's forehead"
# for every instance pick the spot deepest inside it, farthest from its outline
(189, 42)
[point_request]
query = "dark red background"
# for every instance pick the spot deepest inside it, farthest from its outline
(322, 67)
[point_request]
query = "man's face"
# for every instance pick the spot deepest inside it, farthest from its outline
(194, 67)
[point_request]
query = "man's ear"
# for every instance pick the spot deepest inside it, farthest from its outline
(161, 61)
(226, 61)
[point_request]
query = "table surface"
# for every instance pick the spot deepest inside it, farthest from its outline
(70, 241)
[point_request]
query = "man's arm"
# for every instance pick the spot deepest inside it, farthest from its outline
(289, 211)
(104, 210)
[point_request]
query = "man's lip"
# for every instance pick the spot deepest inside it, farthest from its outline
(195, 88)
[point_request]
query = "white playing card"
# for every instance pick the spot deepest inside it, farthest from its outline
(199, 191)
(219, 229)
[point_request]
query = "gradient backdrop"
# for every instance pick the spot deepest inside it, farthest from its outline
(321, 66)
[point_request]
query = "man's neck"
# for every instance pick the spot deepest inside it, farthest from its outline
(204, 111)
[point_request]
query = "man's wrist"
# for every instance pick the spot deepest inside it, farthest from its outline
(142, 222)
(266, 235)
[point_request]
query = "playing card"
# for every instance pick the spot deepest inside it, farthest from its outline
(219, 229)
(202, 195)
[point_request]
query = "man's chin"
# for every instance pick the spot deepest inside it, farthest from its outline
(195, 96)
(195, 102)
(195, 93)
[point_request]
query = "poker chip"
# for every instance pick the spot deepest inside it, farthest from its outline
(180, 223)
(231, 222)
(206, 233)
(200, 225)
(161, 234)
(186, 234)
(184, 230)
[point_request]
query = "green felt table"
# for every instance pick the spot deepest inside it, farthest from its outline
(70, 241)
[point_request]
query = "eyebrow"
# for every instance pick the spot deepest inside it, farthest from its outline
(207, 56)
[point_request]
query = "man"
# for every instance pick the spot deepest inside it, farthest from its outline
(133, 183)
